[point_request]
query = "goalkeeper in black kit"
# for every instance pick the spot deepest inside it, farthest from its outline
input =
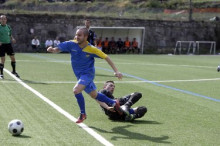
(125, 102)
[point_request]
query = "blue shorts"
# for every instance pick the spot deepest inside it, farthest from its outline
(87, 80)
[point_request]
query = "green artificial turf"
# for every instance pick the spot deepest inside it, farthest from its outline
(180, 92)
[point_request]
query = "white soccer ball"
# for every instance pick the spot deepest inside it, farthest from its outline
(16, 127)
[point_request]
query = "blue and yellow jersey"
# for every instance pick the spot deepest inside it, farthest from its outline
(82, 59)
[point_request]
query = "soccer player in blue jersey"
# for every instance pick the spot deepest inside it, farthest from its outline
(82, 60)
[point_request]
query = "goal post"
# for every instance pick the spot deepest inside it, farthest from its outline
(195, 45)
(212, 45)
(179, 45)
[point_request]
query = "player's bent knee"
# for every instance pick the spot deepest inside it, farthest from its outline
(137, 94)
(145, 110)
(76, 91)
(141, 111)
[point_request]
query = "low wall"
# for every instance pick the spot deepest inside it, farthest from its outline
(160, 36)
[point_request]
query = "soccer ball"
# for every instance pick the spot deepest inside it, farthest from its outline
(16, 127)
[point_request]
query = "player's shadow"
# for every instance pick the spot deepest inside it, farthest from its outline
(125, 134)
(8, 80)
(138, 122)
(34, 82)
(23, 136)
(104, 75)
(26, 81)
(145, 122)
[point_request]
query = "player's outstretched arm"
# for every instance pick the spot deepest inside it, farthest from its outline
(104, 105)
(53, 50)
(116, 72)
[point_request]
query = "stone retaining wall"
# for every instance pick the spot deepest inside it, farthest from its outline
(160, 36)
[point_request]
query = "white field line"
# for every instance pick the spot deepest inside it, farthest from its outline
(40, 61)
(63, 112)
(125, 63)
(120, 82)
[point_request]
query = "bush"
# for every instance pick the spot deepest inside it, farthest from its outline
(173, 4)
(153, 4)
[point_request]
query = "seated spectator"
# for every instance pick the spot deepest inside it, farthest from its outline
(127, 46)
(35, 43)
(105, 45)
(56, 42)
(112, 46)
(135, 46)
(99, 43)
(120, 45)
(48, 43)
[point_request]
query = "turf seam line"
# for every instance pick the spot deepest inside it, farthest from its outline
(165, 86)
(60, 110)
(127, 63)
(119, 82)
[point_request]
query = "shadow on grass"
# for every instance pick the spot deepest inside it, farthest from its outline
(137, 122)
(104, 75)
(22, 136)
(7, 80)
(34, 82)
(145, 122)
(26, 81)
(126, 134)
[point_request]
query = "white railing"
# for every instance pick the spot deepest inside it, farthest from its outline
(194, 45)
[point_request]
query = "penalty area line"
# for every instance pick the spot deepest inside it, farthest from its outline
(60, 110)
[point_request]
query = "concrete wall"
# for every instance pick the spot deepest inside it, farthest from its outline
(160, 36)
